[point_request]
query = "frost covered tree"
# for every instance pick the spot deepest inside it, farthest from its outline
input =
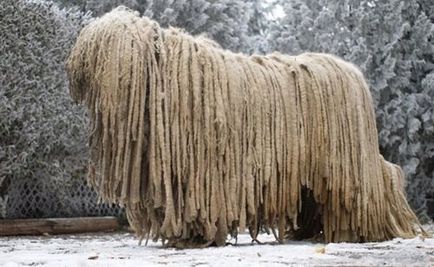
(237, 25)
(99, 7)
(42, 134)
(392, 42)
(224, 21)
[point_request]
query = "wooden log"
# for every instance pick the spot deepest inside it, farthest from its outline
(54, 226)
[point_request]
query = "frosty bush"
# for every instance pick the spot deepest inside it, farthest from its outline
(226, 22)
(99, 7)
(42, 134)
(235, 25)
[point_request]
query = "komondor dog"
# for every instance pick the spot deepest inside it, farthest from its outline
(199, 143)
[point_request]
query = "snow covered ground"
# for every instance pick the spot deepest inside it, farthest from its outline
(122, 249)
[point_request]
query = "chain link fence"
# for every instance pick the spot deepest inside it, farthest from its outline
(42, 198)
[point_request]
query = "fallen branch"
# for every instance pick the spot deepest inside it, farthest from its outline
(54, 226)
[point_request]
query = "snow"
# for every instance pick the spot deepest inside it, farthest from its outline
(122, 249)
